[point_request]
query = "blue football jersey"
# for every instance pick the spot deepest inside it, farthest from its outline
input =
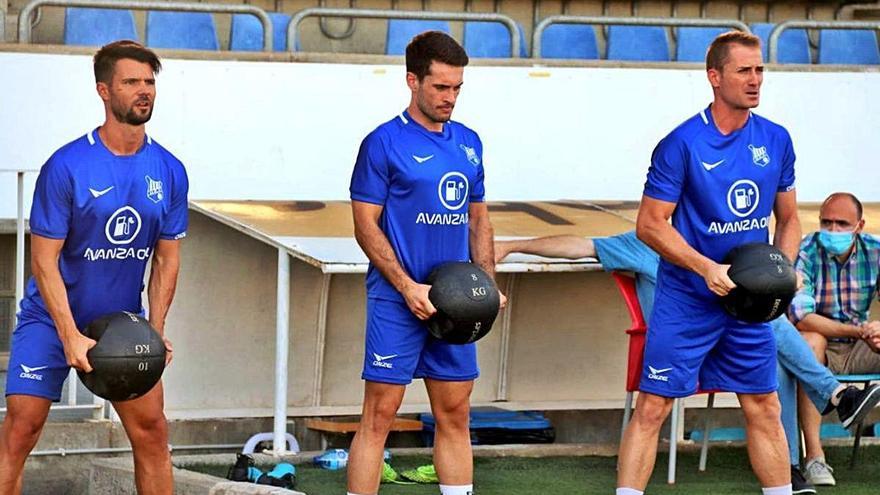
(723, 186)
(425, 182)
(111, 211)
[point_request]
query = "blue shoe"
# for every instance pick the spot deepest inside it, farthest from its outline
(333, 459)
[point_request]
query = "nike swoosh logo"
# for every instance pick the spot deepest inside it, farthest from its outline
(27, 369)
(657, 372)
(98, 194)
(383, 358)
(710, 166)
(422, 159)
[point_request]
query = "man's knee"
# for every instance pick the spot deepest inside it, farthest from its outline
(652, 410)
(148, 431)
(21, 431)
(817, 343)
(761, 409)
(379, 416)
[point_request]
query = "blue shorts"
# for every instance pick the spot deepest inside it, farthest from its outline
(692, 342)
(399, 348)
(37, 365)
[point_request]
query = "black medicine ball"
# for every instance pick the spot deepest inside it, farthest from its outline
(128, 359)
(467, 302)
(765, 282)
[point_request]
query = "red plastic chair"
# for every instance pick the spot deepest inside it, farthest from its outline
(626, 284)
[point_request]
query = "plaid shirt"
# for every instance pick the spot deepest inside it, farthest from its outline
(841, 292)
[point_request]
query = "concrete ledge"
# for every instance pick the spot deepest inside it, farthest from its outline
(116, 477)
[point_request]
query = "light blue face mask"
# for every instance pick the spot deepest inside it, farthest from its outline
(836, 243)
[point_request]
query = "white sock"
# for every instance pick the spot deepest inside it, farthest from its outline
(628, 491)
(777, 490)
(835, 397)
(456, 489)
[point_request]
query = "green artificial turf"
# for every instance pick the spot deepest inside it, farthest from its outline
(728, 472)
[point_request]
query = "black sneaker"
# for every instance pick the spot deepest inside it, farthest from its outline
(799, 484)
(855, 403)
(239, 471)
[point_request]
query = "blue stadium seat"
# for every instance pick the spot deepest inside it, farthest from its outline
(186, 30)
(246, 33)
(693, 42)
(640, 43)
(97, 27)
(490, 40)
(848, 46)
(794, 46)
(402, 31)
(575, 41)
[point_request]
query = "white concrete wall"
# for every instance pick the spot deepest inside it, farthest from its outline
(261, 130)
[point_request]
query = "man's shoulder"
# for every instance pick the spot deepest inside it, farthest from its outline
(871, 241)
(168, 157)
(770, 127)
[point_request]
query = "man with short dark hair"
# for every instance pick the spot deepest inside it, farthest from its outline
(417, 201)
(103, 205)
(840, 266)
(718, 176)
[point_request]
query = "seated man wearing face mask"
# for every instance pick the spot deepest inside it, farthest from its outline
(840, 266)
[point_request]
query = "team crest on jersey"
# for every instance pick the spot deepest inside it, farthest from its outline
(759, 155)
(154, 189)
(471, 155)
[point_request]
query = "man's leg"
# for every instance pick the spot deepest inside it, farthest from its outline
(450, 404)
(144, 422)
(25, 417)
(381, 402)
(638, 450)
(766, 439)
(809, 416)
(796, 356)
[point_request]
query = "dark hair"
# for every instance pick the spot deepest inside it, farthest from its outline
(108, 55)
(852, 197)
(716, 57)
(433, 46)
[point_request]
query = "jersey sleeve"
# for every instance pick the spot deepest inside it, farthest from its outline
(177, 221)
(786, 179)
(53, 200)
(626, 252)
(667, 172)
(370, 179)
(478, 192)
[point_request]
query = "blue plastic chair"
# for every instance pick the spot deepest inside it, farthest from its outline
(693, 43)
(246, 32)
(572, 41)
(639, 43)
(848, 46)
(865, 379)
(183, 30)
(793, 48)
(97, 27)
(402, 31)
(491, 40)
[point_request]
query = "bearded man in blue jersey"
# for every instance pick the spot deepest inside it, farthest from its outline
(103, 205)
(417, 200)
(719, 176)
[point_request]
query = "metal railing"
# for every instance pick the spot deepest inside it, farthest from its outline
(773, 40)
(628, 21)
(292, 29)
(24, 25)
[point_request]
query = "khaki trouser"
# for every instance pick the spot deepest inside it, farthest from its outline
(852, 358)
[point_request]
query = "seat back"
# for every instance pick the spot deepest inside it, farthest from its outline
(246, 32)
(793, 47)
(574, 41)
(634, 359)
(848, 46)
(693, 43)
(182, 30)
(490, 40)
(97, 27)
(639, 43)
(402, 31)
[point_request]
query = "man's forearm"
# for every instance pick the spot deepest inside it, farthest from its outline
(787, 237)
(668, 242)
(161, 289)
(380, 253)
(54, 294)
(826, 326)
(482, 247)
(557, 246)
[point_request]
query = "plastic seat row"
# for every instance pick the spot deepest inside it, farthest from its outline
(87, 26)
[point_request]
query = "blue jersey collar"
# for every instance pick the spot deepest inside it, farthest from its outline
(706, 115)
(410, 122)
